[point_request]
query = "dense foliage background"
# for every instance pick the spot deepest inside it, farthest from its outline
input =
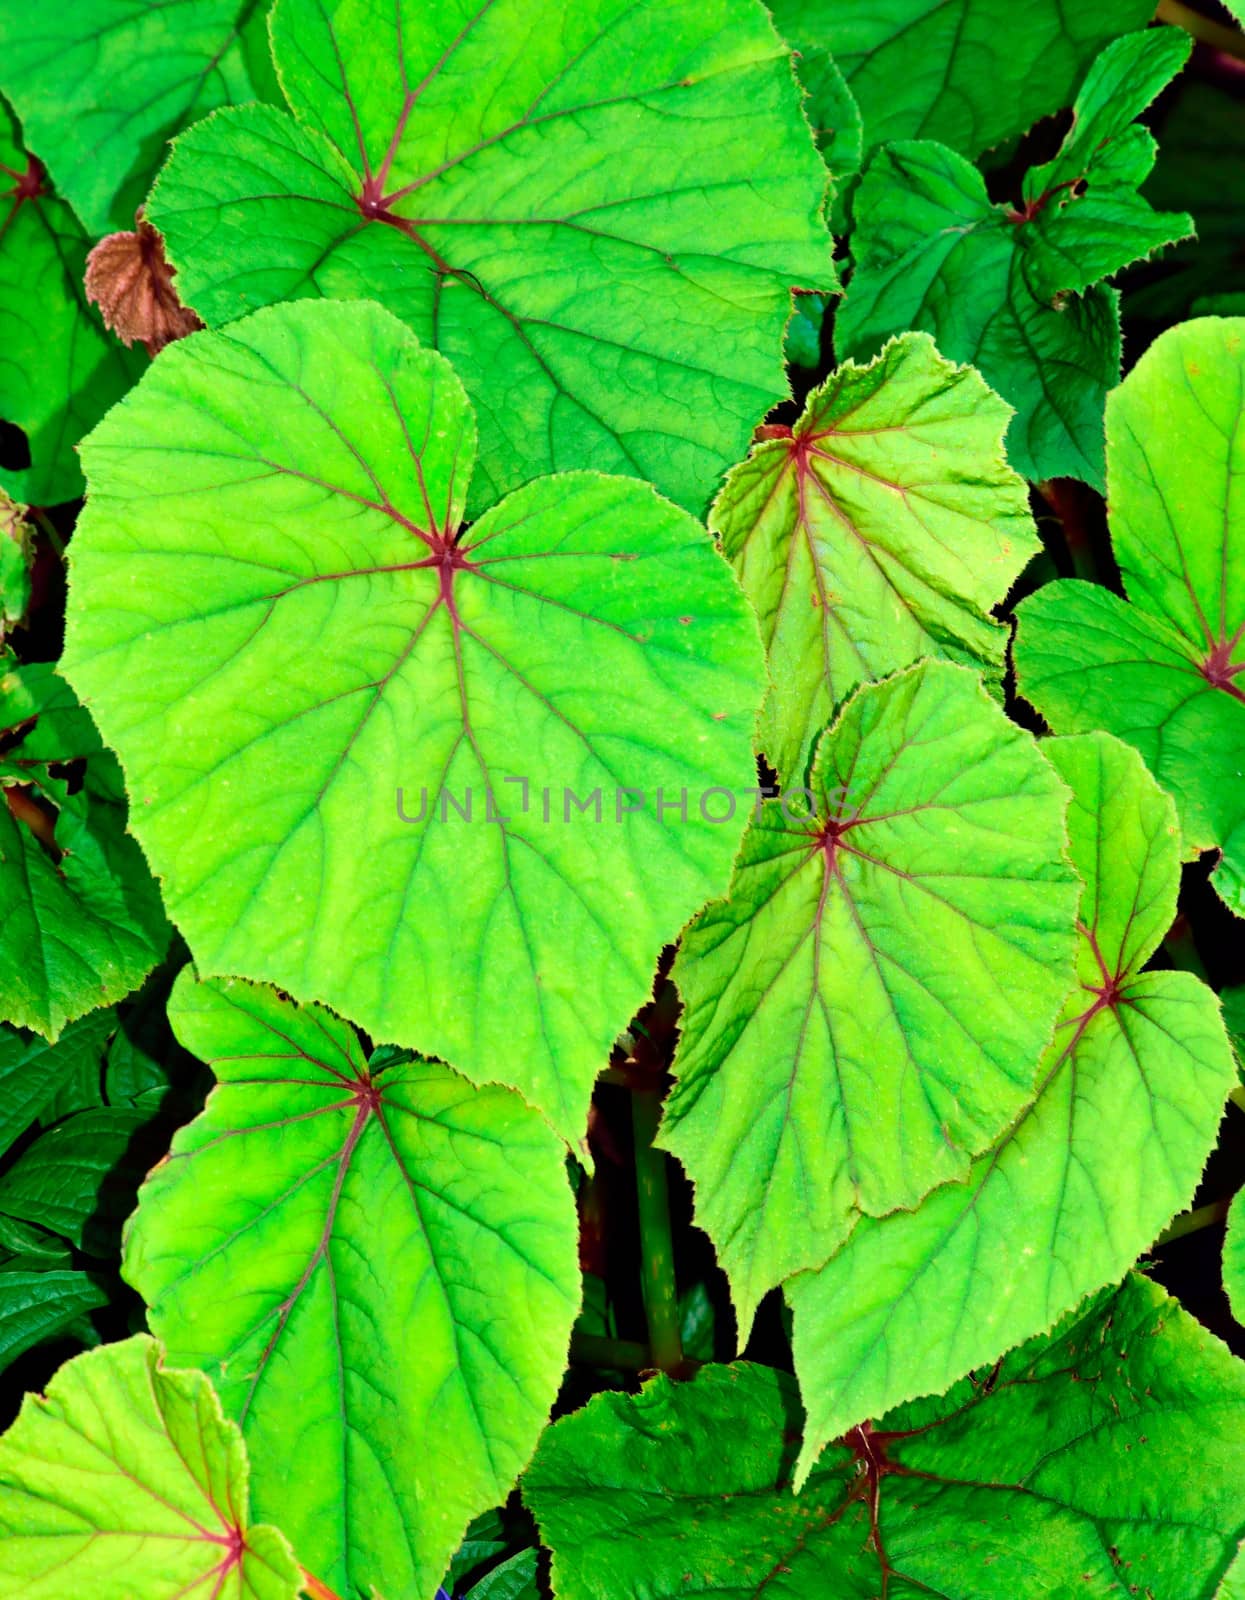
(622, 631)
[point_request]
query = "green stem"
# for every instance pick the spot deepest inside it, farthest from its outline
(620, 1355)
(1204, 29)
(656, 1247)
(1194, 1221)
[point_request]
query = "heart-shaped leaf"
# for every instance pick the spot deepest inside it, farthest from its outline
(323, 673)
(1140, 1062)
(596, 210)
(992, 282)
(60, 371)
(969, 73)
(883, 527)
(381, 1284)
(101, 84)
(866, 1010)
(1061, 1472)
(82, 917)
(124, 1482)
(1164, 671)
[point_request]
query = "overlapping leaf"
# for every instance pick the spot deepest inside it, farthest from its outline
(1063, 1471)
(376, 1265)
(1163, 670)
(1016, 290)
(125, 1482)
(866, 1010)
(596, 210)
(315, 641)
(882, 529)
(59, 370)
(969, 73)
(101, 85)
(36, 1305)
(1130, 1095)
(82, 918)
(1234, 1257)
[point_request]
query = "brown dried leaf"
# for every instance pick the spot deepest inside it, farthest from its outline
(128, 277)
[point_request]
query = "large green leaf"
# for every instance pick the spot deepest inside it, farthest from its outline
(865, 1012)
(1064, 1471)
(1130, 1095)
(1161, 670)
(36, 1305)
(376, 1265)
(82, 917)
(124, 1482)
(596, 209)
(315, 638)
(59, 370)
(100, 85)
(999, 285)
(969, 73)
(882, 528)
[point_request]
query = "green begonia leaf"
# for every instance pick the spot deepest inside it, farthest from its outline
(381, 1286)
(829, 104)
(313, 636)
(37, 1305)
(1065, 1471)
(1233, 1585)
(59, 370)
(882, 529)
(866, 1010)
(82, 917)
(1234, 1257)
(994, 283)
(125, 1482)
(100, 86)
(1130, 1095)
(16, 560)
(596, 210)
(969, 74)
(1162, 670)
(33, 1071)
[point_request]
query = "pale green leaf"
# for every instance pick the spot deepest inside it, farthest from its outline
(59, 370)
(1161, 670)
(101, 85)
(1066, 1470)
(1130, 1095)
(1234, 1257)
(596, 210)
(320, 657)
(991, 282)
(124, 1482)
(883, 529)
(866, 1011)
(376, 1267)
(82, 917)
(969, 73)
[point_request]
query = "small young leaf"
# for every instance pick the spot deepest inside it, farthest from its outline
(969, 73)
(124, 1482)
(882, 530)
(38, 1305)
(381, 1285)
(128, 278)
(1163, 670)
(992, 283)
(82, 917)
(1062, 1472)
(597, 211)
(866, 1011)
(1139, 1064)
(100, 85)
(60, 371)
(324, 671)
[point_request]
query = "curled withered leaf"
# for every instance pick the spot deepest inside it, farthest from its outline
(129, 279)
